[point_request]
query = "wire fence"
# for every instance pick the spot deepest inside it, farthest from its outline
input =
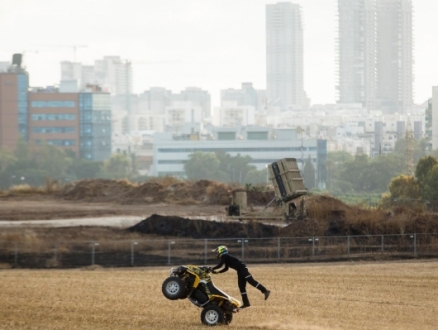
(140, 253)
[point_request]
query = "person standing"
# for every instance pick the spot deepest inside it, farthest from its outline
(243, 275)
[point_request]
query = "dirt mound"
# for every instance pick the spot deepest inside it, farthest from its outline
(98, 190)
(328, 216)
(152, 192)
(182, 227)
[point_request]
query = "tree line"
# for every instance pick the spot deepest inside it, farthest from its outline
(33, 166)
(346, 174)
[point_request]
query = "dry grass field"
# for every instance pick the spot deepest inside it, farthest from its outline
(393, 295)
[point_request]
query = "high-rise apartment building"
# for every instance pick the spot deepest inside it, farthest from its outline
(394, 63)
(247, 95)
(284, 56)
(13, 106)
(375, 54)
(80, 122)
(111, 73)
(357, 52)
(197, 96)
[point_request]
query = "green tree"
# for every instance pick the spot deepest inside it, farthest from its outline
(309, 174)
(202, 165)
(84, 169)
(419, 148)
(364, 174)
(7, 159)
(381, 170)
(239, 167)
(430, 187)
(422, 170)
(334, 163)
(53, 161)
(259, 177)
(403, 190)
(117, 167)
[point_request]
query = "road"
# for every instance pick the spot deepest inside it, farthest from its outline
(117, 221)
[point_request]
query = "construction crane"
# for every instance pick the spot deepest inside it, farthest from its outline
(74, 47)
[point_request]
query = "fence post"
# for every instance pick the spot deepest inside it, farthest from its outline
(243, 249)
(415, 245)
(313, 246)
(55, 256)
(205, 251)
(278, 249)
(16, 254)
(243, 246)
(383, 246)
(93, 252)
(168, 251)
(132, 253)
(348, 244)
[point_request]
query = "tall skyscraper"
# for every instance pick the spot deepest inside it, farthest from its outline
(284, 56)
(357, 52)
(375, 54)
(394, 55)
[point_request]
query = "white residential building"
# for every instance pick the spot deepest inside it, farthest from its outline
(357, 52)
(284, 56)
(232, 115)
(394, 61)
(110, 73)
(181, 113)
(375, 58)
(171, 152)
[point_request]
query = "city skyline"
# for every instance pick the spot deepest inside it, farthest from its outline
(211, 45)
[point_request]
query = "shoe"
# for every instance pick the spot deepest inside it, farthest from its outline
(267, 293)
(244, 306)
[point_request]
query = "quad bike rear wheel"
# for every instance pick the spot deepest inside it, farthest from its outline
(174, 288)
(212, 315)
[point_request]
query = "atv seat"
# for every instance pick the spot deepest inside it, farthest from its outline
(215, 291)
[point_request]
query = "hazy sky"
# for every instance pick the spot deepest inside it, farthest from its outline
(212, 44)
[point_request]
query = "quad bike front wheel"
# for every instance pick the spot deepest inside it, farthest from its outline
(212, 315)
(174, 288)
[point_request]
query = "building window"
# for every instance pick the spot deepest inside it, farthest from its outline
(53, 104)
(51, 130)
(57, 142)
(53, 116)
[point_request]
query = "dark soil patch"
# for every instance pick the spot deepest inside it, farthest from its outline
(182, 227)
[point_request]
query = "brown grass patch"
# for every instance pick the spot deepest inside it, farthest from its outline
(397, 295)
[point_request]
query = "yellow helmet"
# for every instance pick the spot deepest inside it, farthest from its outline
(220, 250)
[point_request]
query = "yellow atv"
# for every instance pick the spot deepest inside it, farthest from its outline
(194, 282)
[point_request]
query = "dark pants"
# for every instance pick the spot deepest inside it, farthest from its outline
(243, 276)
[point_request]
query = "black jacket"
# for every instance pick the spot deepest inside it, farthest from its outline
(230, 262)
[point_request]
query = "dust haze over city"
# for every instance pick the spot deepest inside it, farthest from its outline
(357, 74)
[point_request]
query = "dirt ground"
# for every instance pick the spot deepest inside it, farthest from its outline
(50, 207)
(359, 296)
